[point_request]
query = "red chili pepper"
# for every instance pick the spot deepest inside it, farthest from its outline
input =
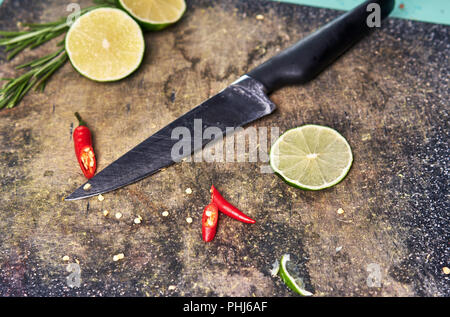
(83, 148)
(209, 222)
(227, 208)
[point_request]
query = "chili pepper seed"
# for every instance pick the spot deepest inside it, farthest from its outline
(100, 197)
(446, 270)
(118, 215)
(87, 186)
(66, 258)
(340, 211)
(188, 191)
(118, 257)
(189, 220)
(105, 212)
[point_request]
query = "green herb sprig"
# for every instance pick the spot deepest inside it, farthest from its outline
(39, 70)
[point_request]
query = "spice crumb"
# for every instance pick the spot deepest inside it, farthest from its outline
(260, 17)
(189, 220)
(165, 213)
(138, 220)
(172, 287)
(340, 211)
(118, 257)
(446, 270)
(87, 186)
(66, 258)
(100, 197)
(188, 191)
(118, 215)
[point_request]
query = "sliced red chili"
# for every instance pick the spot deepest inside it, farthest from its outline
(84, 151)
(227, 208)
(209, 222)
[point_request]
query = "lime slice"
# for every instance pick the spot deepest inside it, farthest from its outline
(311, 157)
(154, 14)
(292, 283)
(105, 44)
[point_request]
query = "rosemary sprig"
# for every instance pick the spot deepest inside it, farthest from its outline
(42, 68)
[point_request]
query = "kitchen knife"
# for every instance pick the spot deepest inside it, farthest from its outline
(243, 101)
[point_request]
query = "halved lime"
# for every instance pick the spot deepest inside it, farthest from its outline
(311, 157)
(154, 14)
(105, 44)
(294, 284)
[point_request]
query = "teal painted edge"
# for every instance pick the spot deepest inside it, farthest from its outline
(434, 11)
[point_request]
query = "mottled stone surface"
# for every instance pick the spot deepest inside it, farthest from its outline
(388, 96)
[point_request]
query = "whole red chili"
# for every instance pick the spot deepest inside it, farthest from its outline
(227, 208)
(83, 148)
(209, 222)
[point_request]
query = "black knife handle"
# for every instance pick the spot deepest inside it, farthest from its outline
(308, 57)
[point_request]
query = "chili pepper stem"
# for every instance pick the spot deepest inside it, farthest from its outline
(80, 120)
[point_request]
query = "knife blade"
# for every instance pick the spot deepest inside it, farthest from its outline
(244, 101)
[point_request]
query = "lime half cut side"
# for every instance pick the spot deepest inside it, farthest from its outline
(311, 157)
(294, 284)
(105, 44)
(154, 14)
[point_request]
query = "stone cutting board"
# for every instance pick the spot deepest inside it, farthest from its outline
(388, 96)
